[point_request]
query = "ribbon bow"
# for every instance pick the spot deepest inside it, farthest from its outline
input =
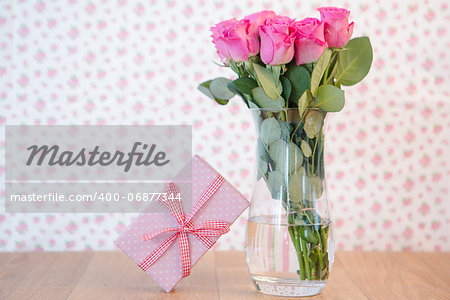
(203, 231)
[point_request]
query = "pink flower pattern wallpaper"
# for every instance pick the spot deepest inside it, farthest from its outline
(139, 62)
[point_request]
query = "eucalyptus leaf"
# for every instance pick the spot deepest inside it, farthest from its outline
(270, 131)
(275, 179)
(313, 123)
(271, 85)
(309, 67)
(295, 158)
(262, 169)
(256, 116)
(287, 157)
(262, 151)
(304, 102)
(252, 105)
(232, 87)
(300, 80)
(264, 101)
(295, 188)
(319, 70)
(278, 153)
(329, 98)
(306, 149)
(245, 85)
(354, 63)
(219, 88)
(302, 187)
(285, 130)
(313, 188)
(204, 88)
(287, 88)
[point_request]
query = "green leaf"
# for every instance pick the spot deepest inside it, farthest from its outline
(270, 131)
(304, 102)
(332, 69)
(306, 149)
(278, 153)
(262, 151)
(245, 85)
(204, 88)
(232, 87)
(295, 158)
(262, 169)
(300, 81)
(302, 187)
(219, 88)
(252, 104)
(287, 157)
(313, 123)
(287, 88)
(319, 69)
(313, 188)
(354, 63)
(275, 180)
(295, 188)
(299, 218)
(307, 233)
(276, 71)
(329, 98)
(285, 129)
(309, 67)
(272, 87)
(263, 101)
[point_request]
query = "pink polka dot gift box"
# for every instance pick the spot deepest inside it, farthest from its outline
(168, 238)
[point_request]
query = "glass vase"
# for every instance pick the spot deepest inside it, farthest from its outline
(289, 238)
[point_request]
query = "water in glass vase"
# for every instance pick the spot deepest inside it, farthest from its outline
(275, 264)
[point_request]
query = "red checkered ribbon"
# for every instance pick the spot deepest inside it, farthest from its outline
(203, 231)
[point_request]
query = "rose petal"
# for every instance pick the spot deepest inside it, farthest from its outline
(267, 46)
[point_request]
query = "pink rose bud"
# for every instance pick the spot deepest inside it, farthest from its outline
(337, 30)
(259, 18)
(310, 42)
(235, 40)
(277, 41)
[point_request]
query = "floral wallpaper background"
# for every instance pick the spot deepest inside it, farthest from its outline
(139, 62)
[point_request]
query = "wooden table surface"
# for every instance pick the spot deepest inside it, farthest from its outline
(219, 275)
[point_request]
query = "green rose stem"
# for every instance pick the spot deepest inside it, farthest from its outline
(293, 232)
(319, 254)
(313, 154)
(306, 259)
(293, 133)
(324, 241)
(333, 57)
(311, 267)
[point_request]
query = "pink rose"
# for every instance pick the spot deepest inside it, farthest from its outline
(277, 41)
(258, 19)
(337, 29)
(310, 42)
(235, 40)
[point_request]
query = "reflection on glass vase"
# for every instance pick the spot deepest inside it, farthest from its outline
(289, 241)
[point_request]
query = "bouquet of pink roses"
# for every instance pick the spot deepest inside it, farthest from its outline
(285, 66)
(282, 62)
